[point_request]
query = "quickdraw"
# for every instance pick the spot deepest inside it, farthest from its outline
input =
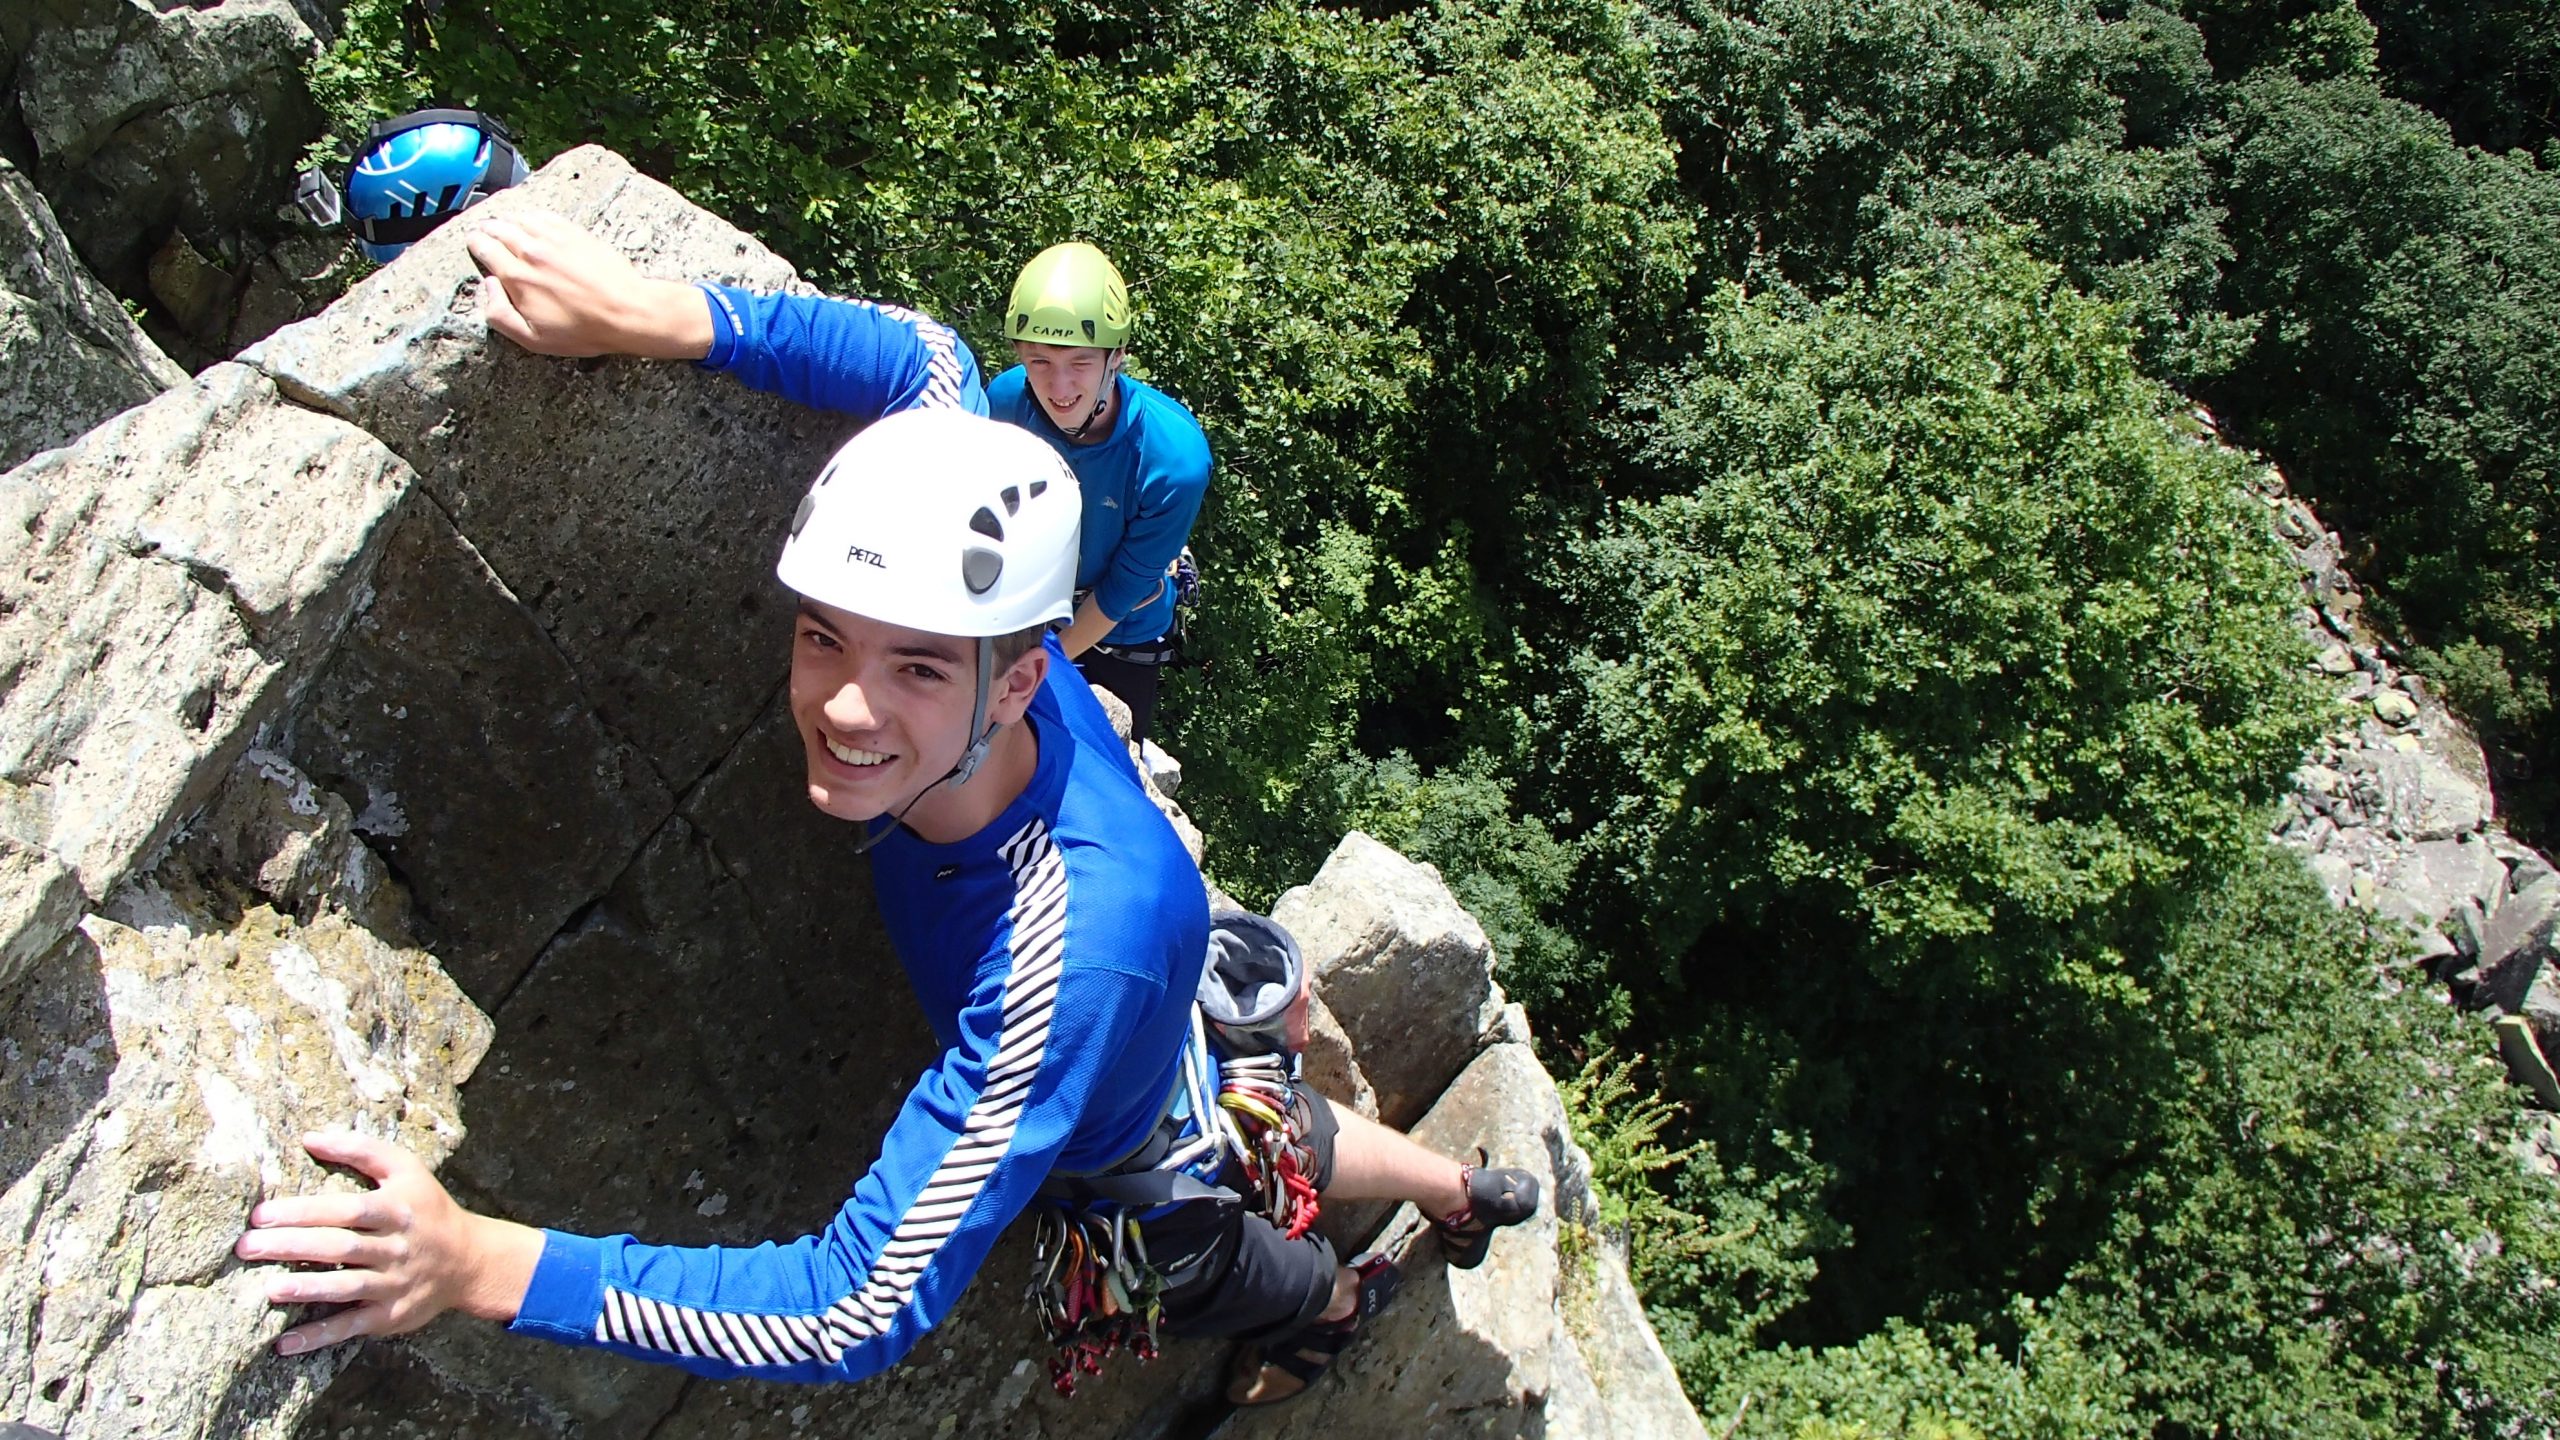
(1256, 1091)
(1095, 1290)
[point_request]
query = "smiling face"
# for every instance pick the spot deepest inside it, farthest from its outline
(1066, 379)
(883, 714)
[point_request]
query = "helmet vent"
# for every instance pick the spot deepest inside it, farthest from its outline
(979, 569)
(985, 523)
(1012, 500)
(800, 519)
(1039, 488)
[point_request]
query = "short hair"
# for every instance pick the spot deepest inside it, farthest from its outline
(1010, 648)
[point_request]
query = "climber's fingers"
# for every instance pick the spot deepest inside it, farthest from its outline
(501, 314)
(557, 288)
(497, 247)
(325, 1287)
(287, 1213)
(308, 1245)
(511, 259)
(345, 1325)
(381, 1276)
(404, 1252)
(492, 247)
(321, 1229)
(381, 1160)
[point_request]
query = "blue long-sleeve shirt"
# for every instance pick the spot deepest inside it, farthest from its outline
(1143, 484)
(1055, 954)
(858, 356)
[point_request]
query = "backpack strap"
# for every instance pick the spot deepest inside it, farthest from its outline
(488, 125)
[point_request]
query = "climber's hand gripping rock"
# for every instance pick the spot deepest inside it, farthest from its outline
(404, 1251)
(557, 289)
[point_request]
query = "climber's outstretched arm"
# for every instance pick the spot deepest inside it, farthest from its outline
(405, 1251)
(555, 289)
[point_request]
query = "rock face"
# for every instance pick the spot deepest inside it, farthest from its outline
(166, 137)
(153, 1070)
(165, 585)
(391, 676)
(2393, 812)
(69, 354)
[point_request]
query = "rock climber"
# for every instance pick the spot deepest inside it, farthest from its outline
(1140, 455)
(1054, 931)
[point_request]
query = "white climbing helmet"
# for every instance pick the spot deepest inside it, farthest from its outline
(943, 521)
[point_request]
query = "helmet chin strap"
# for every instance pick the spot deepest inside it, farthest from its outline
(976, 754)
(1101, 399)
(969, 761)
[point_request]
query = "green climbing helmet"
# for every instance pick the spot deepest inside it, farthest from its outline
(1070, 295)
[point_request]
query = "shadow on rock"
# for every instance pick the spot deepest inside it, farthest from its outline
(57, 1053)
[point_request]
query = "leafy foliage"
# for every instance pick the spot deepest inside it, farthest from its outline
(2324, 1231)
(1938, 679)
(1943, 635)
(2331, 1234)
(2367, 299)
(1699, 472)
(2406, 365)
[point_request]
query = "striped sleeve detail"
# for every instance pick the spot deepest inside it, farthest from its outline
(754, 1341)
(941, 354)
(726, 325)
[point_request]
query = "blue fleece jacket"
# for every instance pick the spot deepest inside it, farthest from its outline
(1142, 483)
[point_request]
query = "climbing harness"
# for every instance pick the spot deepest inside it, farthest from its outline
(1183, 578)
(1094, 1286)
(1233, 1102)
(1152, 652)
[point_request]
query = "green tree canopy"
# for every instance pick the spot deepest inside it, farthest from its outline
(1943, 635)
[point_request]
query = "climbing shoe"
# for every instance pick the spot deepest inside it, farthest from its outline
(1495, 1198)
(1304, 1356)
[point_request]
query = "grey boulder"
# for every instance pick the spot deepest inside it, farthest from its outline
(69, 354)
(1535, 1342)
(165, 584)
(155, 1076)
(1403, 966)
(152, 120)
